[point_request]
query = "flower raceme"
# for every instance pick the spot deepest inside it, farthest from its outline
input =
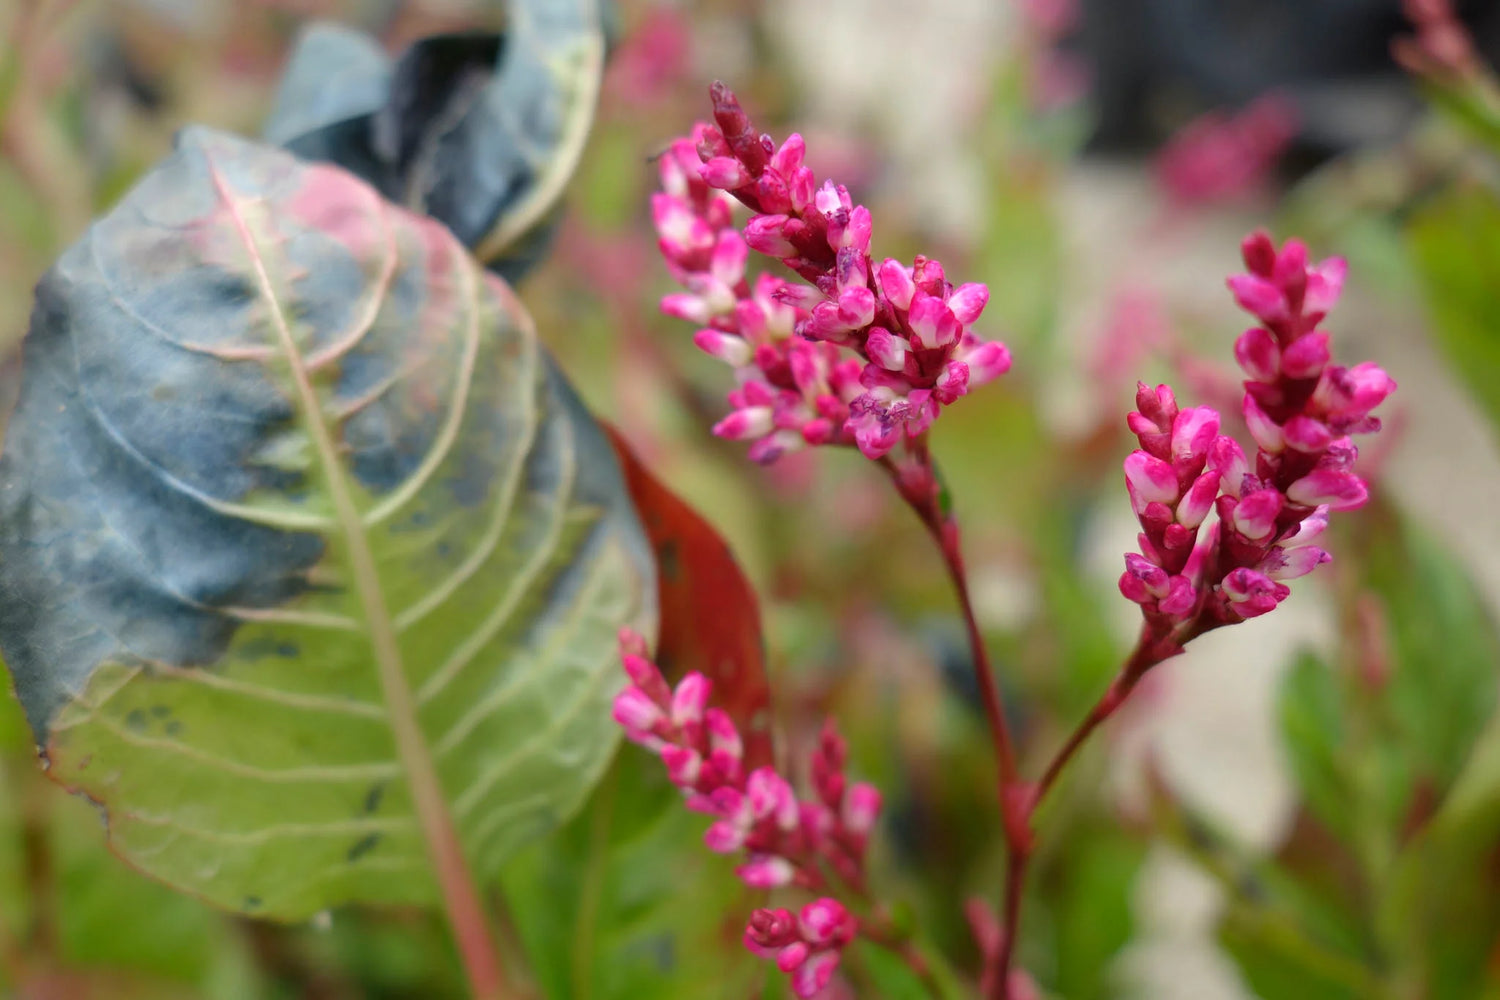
(856, 352)
(1301, 410)
(786, 841)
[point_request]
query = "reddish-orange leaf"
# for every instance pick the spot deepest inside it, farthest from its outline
(710, 618)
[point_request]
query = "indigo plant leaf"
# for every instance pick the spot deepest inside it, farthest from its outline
(277, 440)
(479, 130)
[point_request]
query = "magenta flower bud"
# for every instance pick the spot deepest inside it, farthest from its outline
(725, 173)
(682, 232)
(685, 305)
(1198, 500)
(1340, 490)
(968, 301)
(987, 360)
(728, 261)
(1311, 527)
(1193, 431)
(1350, 393)
(726, 347)
(813, 976)
(856, 307)
(1158, 405)
(1258, 354)
(1251, 594)
(770, 928)
(832, 199)
(861, 809)
(856, 235)
(825, 921)
(886, 349)
(645, 675)
(792, 956)
(788, 159)
(1290, 271)
(801, 186)
(1255, 515)
(1306, 356)
(724, 837)
(929, 276)
(1324, 285)
(765, 234)
(1259, 297)
(741, 425)
(826, 323)
(766, 871)
(771, 797)
(771, 447)
(1143, 580)
(896, 283)
(932, 322)
(1259, 253)
(690, 698)
(632, 643)
(709, 142)
(1283, 563)
(1307, 435)
(1181, 599)
(635, 711)
(723, 737)
(1226, 455)
(1266, 432)
(1150, 480)
(952, 382)
(683, 765)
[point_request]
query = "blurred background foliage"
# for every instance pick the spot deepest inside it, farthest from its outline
(1308, 806)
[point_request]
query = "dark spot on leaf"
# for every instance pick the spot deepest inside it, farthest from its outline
(443, 550)
(287, 649)
(363, 846)
(173, 728)
(161, 711)
(252, 903)
(373, 797)
(136, 721)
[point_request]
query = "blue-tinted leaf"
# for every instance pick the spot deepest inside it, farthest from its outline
(274, 433)
(480, 131)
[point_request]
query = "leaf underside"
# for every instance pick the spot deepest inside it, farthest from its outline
(177, 602)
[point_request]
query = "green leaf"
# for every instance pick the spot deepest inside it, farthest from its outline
(1093, 915)
(1455, 243)
(292, 501)
(626, 901)
(1313, 729)
(481, 131)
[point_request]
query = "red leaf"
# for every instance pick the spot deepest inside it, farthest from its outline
(710, 618)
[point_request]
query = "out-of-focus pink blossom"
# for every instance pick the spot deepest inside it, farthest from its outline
(1220, 157)
(807, 946)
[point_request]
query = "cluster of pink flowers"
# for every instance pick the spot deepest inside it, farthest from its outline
(786, 841)
(857, 352)
(1220, 157)
(1300, 409)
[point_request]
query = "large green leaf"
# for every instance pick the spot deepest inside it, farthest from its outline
(481, 131)
(290, 475)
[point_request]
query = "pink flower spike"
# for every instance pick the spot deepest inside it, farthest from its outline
(1258, 354)
(726, 347)
(1259, 297)
(766, 871)
(968, 301)
(1338, 489)
(896, 282)
(1150, 480)
(690, 698)
(1265, 430)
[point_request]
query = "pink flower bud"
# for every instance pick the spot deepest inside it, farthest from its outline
(1251, 594)
(1324, 285)
(722, 734)
(685, 305)
(1150, 480)
(726, 347)
(886, 349)
(1338, 489)
(770, 928)
(741, 425)
(856, 234)
(766, 871)
(1259, 253)
(724, 172)
(968, 301)
(792, 956)
(771, 797)
(1193, 431)
(1258, 354)
(788, 159)
(728, 261)
(932, 323)
(987, 360)
(765, 234)
(1306, 356)
(896, 283)
(813, 976)
(636, 712)
(689, 700)
(1311, 527)
(1198, 500)
(1255, 515)
(1262, 428)
(824, 922)
(1259, 297)
(1306, 434)
(1226, 455)
(683, 765)
(856, 308)
(1283, 563)
(861, 809)
(952, 383)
